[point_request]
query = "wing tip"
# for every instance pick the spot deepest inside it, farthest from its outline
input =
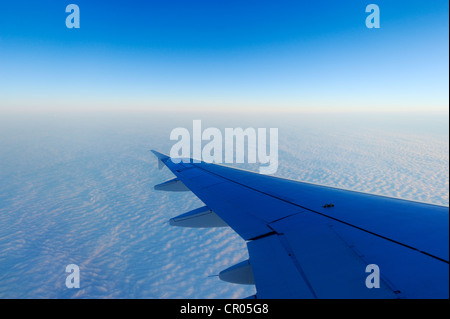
(161, 158)
(159, 155)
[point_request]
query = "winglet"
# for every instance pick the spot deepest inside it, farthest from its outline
(161, 158)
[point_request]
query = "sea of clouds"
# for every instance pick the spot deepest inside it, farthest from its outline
(79, 189)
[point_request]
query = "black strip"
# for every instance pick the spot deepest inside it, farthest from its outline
(264, 235)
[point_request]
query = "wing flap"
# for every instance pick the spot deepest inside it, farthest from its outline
(332, 267)
(276, 276)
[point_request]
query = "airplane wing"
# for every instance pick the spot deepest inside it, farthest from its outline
(311, 241)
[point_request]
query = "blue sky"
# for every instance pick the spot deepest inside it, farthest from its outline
(224, 55)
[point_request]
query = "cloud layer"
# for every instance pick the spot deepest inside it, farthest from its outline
(81, 191)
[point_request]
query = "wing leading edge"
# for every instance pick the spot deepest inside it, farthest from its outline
(311, 241)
